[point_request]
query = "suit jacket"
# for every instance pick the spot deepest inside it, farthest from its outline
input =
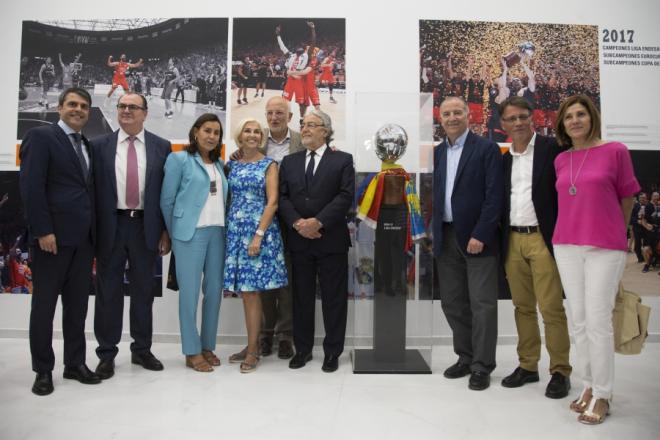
(295, 142)
(328, 199)
(57, 198)
(476, 200)
(105, 150)
(648, 212)
(185, 191)
(544, 193)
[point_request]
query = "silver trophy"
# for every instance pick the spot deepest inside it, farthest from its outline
(391, 141)
(525, 49)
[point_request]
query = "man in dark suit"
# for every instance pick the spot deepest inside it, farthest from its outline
(467, 201)
(129, 164)
(58, 195)
(642, 210)
(317, 187)
(528, 221)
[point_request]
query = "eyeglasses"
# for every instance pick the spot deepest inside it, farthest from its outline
(311, 125)
(521, 118)
(130, 107)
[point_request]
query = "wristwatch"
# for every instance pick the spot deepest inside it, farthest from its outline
(259, 232)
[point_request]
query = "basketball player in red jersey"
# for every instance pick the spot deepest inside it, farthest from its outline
(327, 77)
(300, 66)
(119, 77)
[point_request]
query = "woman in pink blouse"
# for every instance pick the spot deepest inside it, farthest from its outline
(595, 184)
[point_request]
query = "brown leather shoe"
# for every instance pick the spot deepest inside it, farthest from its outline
(285, 350)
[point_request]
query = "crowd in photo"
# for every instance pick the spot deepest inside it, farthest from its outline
(203, 70)
(484, 63)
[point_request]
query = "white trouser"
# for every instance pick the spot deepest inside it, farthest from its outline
(590, 277)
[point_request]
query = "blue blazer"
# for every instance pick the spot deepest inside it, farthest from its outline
(184, 193)
(57, 198)
(105, 151)
(476, 200)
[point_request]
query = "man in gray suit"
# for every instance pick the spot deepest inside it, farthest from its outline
(276, 304)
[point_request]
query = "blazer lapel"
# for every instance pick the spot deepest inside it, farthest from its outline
(110, 152)
(322, 166)
(151, 160)
(540, 157)
(70, 151)
(441, 171)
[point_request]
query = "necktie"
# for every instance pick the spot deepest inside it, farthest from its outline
(132, 179)
(77, 140)
(309, 172)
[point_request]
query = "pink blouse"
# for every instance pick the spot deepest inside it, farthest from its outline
(601, 176)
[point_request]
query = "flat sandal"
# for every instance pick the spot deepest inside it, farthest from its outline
(211, 358)
(249, 367)
(579, 405)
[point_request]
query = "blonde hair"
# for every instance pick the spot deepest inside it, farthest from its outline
(239, 129)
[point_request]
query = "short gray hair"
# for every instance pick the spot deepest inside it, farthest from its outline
(327, 123)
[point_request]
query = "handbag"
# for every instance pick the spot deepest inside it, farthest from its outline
(630, 320)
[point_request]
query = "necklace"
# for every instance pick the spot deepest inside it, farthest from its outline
(572, 190)
(213, 187)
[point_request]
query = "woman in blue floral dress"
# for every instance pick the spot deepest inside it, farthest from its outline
(254, 259)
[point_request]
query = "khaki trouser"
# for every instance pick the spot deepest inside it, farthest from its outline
(533, 278)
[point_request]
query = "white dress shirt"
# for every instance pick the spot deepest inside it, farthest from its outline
(317, 159)
(522, 208)
(120, 166)
(453, 158)
(69, 131)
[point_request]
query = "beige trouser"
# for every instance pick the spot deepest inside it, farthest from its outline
(533, 278)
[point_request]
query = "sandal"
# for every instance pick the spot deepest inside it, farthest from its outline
(198, 363)
(592, 417)
(211, 358)
(239, 357)
(249, 367)
(580, 404)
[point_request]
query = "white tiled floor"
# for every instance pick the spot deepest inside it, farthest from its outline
(278, 403)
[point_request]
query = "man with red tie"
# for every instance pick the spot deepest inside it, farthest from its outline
(131, 228)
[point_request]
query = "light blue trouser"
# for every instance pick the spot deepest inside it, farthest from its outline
(203, 253)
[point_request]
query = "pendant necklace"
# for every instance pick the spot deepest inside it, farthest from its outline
(572, 190)
(213, 187)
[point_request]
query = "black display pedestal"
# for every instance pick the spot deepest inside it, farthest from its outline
(389, 354)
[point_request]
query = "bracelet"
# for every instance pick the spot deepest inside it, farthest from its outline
(259, 232)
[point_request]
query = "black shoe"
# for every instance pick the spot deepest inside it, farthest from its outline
(457, 370)
(299, 360)
(147, 360)
(520, 377)
(106, 368)
(266, 347)
(82, 374)
(558, 387)
(285, 350)
(330, 363)
(645, 268)
(479, 380)
(43, 384)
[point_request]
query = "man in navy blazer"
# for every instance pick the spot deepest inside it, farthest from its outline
(129, 164)
(467, 201)
(529, 215)
(58, 196)
(317, 186)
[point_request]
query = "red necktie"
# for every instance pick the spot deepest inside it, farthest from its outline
(132, 179)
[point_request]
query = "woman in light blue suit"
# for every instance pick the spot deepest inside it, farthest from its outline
(193, 201)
